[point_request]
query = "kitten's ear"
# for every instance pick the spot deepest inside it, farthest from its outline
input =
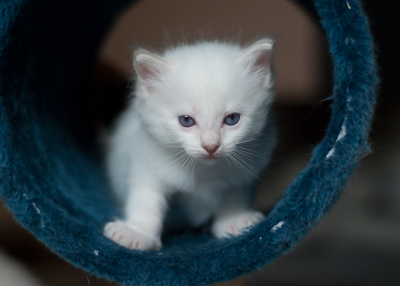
(258, 57)
(149, 68)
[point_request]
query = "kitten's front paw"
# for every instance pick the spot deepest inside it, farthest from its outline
(227, 226)
(119, 232)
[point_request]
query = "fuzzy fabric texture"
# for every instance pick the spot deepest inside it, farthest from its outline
(50, 177)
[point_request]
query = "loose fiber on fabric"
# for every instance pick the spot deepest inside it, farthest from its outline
(52, 181)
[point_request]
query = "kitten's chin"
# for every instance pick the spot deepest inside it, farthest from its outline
(210, 159)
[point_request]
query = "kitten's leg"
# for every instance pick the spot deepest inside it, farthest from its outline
(234, 215)
(233, 224)
(145, 209)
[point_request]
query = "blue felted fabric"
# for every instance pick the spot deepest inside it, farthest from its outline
(52, 182)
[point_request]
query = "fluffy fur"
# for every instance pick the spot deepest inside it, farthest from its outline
(210, 163)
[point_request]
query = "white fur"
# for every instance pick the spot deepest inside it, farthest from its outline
(152, 156)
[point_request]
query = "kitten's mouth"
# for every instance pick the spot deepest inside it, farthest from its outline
(210, 158)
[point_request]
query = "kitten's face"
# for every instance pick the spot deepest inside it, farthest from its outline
(206, 99)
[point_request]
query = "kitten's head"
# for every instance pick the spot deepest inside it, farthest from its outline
(206, 98)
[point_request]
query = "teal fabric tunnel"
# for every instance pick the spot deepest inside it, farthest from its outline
(51, 177)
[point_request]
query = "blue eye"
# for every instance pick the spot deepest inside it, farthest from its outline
(186, 121)
(232, 119)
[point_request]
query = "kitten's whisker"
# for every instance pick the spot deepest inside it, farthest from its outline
(170, 146)
(245, 141)
(250, 153)
(247, 160)
(247, 156)
(187, 160)
(182, 159)
(226, 158)
(235, 160)
(170, 157)
(194, 162)
(247, 150)
(239, 158)
(179, 159)
(243, 164)
(190, 164)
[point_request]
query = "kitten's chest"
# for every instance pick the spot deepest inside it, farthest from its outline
(198, 177)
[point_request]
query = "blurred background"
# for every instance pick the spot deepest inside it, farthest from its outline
(358, 242)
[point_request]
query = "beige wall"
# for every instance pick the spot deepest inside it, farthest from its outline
(300, 61)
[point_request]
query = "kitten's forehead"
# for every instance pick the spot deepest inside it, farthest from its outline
(202, 50)
(204, 73)
(206, 61)
(209, 112)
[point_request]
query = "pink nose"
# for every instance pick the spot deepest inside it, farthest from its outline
(211, 149)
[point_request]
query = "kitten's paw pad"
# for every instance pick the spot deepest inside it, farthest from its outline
(122, 234)
(226, 227)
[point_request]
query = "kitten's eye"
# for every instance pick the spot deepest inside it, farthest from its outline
(232, 119)
(186, 121)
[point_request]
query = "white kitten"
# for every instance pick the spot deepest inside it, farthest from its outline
(200, 126)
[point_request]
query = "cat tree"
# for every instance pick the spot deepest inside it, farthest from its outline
(50, 177)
